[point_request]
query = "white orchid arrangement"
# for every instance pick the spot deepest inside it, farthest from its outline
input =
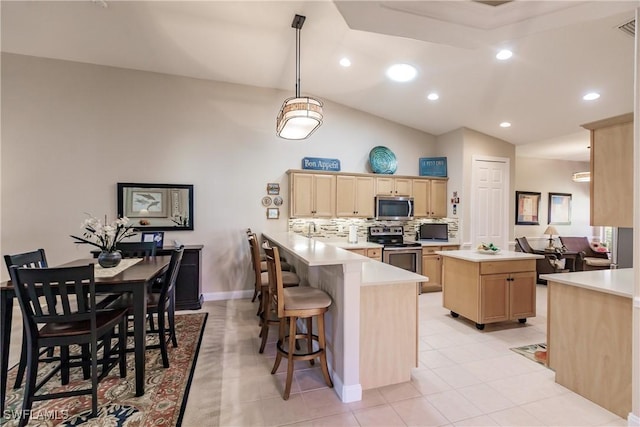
(105, 236)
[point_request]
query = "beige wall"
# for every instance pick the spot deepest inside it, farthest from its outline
(544, 176)
(71, 131)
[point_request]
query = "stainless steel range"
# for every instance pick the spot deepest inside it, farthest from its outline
(395, 251)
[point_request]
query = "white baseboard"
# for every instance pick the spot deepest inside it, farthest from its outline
(220, 296)
(633, 420)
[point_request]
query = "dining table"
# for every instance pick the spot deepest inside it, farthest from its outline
(135, 279)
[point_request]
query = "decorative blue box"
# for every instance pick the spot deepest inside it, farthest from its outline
(433, 166)
(321, 164)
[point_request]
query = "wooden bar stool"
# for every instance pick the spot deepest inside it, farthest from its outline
(263, 265)
(301, 302)
(262, 289)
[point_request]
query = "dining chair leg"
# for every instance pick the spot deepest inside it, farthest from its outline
(22, 365)
(106, 351)
(310, 339)
(323, 353)
(291, 350)
(122, 347)
(64, 365)
(162, 337)
(86, 361)
(172, 321)
(94, 375)
(30, 386)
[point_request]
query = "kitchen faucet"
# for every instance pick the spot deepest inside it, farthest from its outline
(311, 225)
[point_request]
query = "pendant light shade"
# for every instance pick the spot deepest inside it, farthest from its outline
(299, 116)
(581, 177)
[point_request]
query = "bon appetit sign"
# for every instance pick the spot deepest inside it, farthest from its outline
(321, 164)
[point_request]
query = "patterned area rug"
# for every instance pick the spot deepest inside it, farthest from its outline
(535, 352)
(164, 401)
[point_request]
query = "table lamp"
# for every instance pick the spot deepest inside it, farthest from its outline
(551, 230)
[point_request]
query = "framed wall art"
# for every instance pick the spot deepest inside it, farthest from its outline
(273, 213)
(527, 208)
(559, 208)
(273, 188)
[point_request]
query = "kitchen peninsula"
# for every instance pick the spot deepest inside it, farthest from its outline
(489, 288)
(589, 322)
(371, 302)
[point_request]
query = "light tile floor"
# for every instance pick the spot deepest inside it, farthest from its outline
(466, 377)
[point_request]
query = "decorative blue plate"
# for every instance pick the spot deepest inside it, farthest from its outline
(382, 160)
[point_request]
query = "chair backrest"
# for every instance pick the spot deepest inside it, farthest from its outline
(276, 287)
(170, 277)
(523, 243)
(69, 295)
(137, 249)
(33, 259)
(255, 258)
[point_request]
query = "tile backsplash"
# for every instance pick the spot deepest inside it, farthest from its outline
(339, 227)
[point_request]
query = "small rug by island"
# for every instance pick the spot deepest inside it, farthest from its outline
(164, 401)
(535, 352)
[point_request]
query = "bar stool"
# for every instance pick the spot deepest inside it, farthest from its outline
(262, 288)
(263, 265)
(302, 302)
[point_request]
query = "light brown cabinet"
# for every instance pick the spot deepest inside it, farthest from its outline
(354, 196)
(489, 291)
(429, 198)
(612, 171)
(387, 186)
(373, 253)
(312, 195)
(432, 267)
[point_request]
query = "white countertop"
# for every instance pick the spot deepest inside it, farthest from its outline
(474, 256)
(313, 251)
(435, 243)
(362, 244)
(617, 282)
(378, 273)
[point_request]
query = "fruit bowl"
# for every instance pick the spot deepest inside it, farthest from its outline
(488, 251)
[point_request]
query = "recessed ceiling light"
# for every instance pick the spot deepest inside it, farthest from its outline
(505, 125)
(345, 62)
(591, 96)
(504, 54)
(433, 96)
(402, 72)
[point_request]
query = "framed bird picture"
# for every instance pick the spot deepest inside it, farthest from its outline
(151, 203)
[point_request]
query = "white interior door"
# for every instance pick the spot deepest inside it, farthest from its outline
(489, 201)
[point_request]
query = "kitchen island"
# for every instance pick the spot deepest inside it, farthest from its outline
(589, 333)
(371, 303)
(489, 288)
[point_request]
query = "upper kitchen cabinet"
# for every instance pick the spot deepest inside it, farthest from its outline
(430, 198)
(612, 171)
(312, 195)
(389, 186)
(354, 196)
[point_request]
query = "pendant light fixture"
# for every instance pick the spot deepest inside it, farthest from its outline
(299, 116)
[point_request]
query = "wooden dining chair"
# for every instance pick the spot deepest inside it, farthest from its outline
(162, 304)
(33, 259)
(66, 315)
(137, 249)
(291, 304)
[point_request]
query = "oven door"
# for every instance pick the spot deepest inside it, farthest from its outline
(405, 258)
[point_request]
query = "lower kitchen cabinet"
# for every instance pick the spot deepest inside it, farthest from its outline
(373, 253)
(490, 291)
(432, 266)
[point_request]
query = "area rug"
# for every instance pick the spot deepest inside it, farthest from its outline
(535, 352)
(164, 401)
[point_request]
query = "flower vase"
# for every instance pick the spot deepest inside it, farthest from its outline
(109, 259)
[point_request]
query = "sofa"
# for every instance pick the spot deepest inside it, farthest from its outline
(586, 258)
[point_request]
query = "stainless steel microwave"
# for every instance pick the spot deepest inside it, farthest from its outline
(394, 208)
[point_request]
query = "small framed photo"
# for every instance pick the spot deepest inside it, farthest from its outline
(155, 236)
(273, 188)
(273, 213)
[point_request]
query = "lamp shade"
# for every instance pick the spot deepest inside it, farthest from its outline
(299, 117)
(551, 230)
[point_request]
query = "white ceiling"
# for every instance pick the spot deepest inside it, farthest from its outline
(562, 49)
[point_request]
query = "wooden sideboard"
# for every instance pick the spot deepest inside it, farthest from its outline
(189, 281)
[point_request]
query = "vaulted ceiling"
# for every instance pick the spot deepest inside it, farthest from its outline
(562, 50)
